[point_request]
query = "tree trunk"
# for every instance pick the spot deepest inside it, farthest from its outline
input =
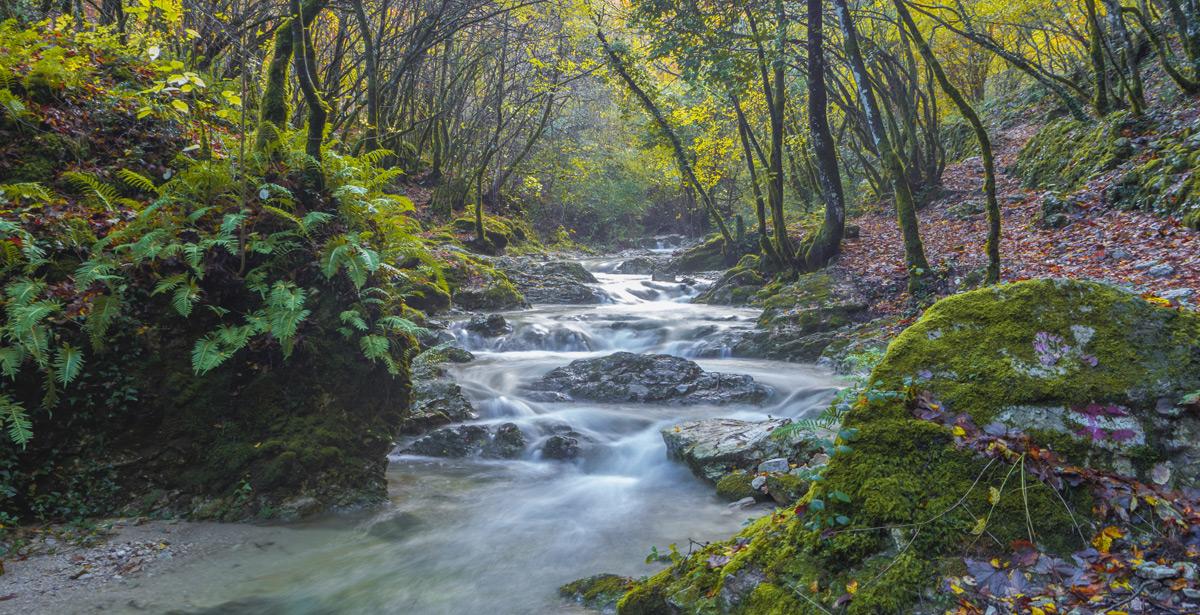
(1096, 55)
(985, 143)
(906, 208)
(828, 241)
(306, 76)
(760, 206)
(685, 167)
(371, 142)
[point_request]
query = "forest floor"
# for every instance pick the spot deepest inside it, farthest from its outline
(1153, 254)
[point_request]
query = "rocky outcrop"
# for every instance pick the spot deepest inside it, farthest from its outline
(489, 325)
(638, 265)
(436, 399)
(629, 377)
(553, 282)
(802, 319)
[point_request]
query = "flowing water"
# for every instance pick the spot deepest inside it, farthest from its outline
(498, 537)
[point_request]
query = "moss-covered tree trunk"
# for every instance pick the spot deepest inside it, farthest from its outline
(288, 47)
(306, 75)
(985, 143)
(828, 241)
(906, 207)
(1096, 56)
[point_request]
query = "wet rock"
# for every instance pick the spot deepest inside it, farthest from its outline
(758, 482)
(504, 441)
(785, 489)
(507, 442)
(744, 503)
(554, 282)
(436, 399)
(663, 276)
(490, 325)
(713, 448)
(299, 507)
(561, 447)
(736, 286)
(802, 319)
(629, 377)
(639, 265)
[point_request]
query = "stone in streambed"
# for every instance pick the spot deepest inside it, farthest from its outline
(646, 378)
(490, 325)
(504, 441)
(713, 448)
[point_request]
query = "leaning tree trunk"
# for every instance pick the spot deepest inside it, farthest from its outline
(985, 143)
(1126, 55)
(760, 206)
(906, 208)
(370, 63)
(828, 240)
(685, 167)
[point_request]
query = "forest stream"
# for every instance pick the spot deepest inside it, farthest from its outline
(500, 536)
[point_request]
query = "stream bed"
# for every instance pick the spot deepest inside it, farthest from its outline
(466, 536)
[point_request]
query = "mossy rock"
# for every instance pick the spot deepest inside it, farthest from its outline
(735, 486)
(598, 593)
(1062, 356)
(711, 255)
(914, 496)
(785, 489)
(495, 294)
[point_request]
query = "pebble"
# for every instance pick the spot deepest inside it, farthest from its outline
(1161, 271)
(1177, 294)
(758, 482)
(1187, 570)
(1155, 572)
(742, 504)
(1144, 265)
(779, 464)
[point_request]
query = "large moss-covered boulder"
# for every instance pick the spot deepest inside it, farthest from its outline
(801, 319)
(903, 497)
(1094, 369)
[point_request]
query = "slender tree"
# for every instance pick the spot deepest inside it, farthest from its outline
(906, 208)
(826, 244)
(981, 135)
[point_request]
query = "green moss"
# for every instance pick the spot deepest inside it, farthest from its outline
(600, 592)
(786, 488)
(979, 348)
(735, 486)
(1065, 152)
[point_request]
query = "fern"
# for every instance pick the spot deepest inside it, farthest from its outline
(90, 185)
(67, 364)
(20, 429)
(105, 310)
(207, 354)
(354, 319)
(374, 347)
(137, 181)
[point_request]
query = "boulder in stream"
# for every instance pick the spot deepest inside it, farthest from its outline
(713, 448)
(646, 378)
(553, 282)
(504, 441)
(489, 325)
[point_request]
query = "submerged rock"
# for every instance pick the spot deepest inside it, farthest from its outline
(638, 265)
(643, 378)
(713, 448)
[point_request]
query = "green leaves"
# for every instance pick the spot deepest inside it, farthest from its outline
(208, 354)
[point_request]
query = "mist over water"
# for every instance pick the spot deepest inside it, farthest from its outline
(499, 537)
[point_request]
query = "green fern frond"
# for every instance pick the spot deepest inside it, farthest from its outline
(207, 355)
(374, 157)
(137, 181)
(68, 363)
(11, 358)
(91, 185)
(354, 319)
(20, 429)
(374, 347)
